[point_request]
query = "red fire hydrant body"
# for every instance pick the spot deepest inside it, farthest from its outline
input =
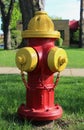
(40, 85)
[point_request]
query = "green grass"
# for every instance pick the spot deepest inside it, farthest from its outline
(75, 58)
(69, 94)
(7, 58)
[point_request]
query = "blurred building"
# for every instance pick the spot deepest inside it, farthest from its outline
(63, 27)
(1, 36)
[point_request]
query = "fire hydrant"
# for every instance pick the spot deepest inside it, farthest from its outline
(40, 59)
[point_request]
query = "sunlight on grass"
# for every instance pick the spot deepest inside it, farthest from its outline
(75, 57)
(7, 58)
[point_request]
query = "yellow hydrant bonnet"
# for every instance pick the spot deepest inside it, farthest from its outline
(41, 26)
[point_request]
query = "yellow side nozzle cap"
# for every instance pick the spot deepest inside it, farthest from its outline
(57, 59)
(26, 59)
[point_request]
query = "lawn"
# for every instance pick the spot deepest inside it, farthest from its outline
(75, 57)
(7, 58)
(69, 94)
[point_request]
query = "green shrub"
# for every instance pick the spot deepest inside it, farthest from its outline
(59, 42)
(76, 36)
(16, 38)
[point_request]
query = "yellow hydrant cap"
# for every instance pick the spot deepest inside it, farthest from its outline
(41, 26)
(26, 59)
(57, 59)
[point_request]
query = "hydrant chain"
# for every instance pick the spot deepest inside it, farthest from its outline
(57, 79)
(23, 79)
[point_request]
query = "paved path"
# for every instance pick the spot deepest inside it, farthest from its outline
(66, 72)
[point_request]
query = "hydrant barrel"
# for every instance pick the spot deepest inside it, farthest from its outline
(40, 59)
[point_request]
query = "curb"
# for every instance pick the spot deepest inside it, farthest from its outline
(66, 72)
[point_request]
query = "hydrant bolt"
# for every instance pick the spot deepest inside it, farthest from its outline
(61, 61)
(21, 59)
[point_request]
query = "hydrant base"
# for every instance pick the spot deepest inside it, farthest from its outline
(40, 115)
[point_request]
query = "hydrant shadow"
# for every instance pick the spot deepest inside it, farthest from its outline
(13, 118)
(35, 125)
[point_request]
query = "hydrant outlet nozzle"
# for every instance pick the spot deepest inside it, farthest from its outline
(57, 59)
(26, 59)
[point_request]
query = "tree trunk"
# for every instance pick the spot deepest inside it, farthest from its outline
(27, 14)
(28, 8)
(9, 40)
(7, 36)
(81, 44)
(6, 17)
(5, 39)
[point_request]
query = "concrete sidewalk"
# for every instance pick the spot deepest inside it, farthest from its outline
(66, 72)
